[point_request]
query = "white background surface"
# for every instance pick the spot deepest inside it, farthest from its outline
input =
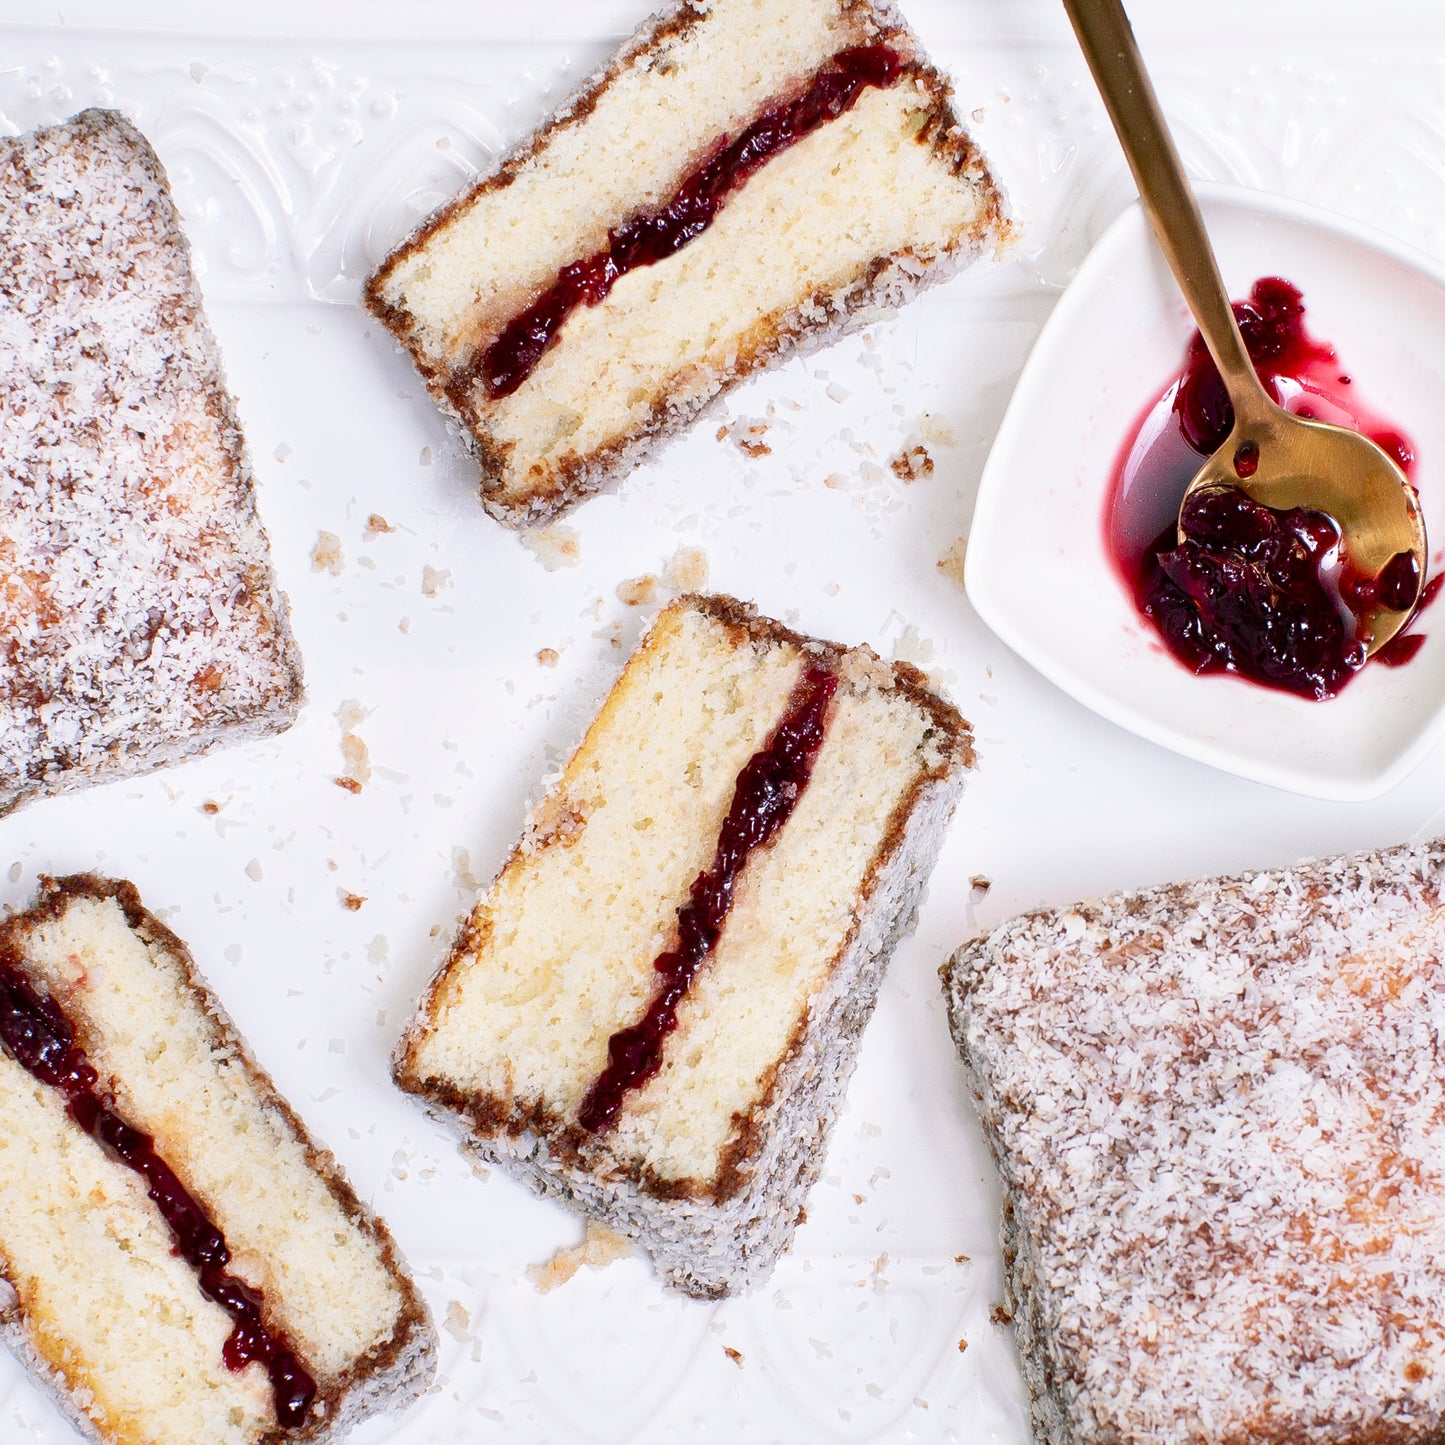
(301, 141)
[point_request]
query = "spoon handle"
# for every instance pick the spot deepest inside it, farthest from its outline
(1107, 41)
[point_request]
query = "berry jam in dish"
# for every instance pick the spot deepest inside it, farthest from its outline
(1268, 595)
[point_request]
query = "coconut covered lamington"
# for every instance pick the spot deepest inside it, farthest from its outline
(654, 1011)
(1219, 1113)
(744, 179)
(140, 619)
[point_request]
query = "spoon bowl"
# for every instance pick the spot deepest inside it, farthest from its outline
(1285, 462)
(1277, 460)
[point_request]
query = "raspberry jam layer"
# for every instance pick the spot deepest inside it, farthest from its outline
(768, 789)
(652, 236)
(41, 1039)
(1268, 595)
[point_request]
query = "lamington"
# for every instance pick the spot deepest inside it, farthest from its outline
(1219, 1114)
(744, 179)
(654, 1011)
(180, 1262)
(141, 623)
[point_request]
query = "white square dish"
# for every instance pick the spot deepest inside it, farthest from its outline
(1037, 569)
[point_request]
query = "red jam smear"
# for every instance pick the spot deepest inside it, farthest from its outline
(36, 1033)
(768, 789)
(652, 236)
(1268, 595)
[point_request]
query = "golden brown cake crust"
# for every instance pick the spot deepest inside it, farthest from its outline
(394, 1370)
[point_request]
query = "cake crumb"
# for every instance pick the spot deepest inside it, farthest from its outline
(999, 1315)
(326, 555)
(210, 807)
(350, 901)
(748, 439)
(932, 429)
(638, 591)
(554, 547)
(458, 1323)
(548, 656)
(951, 563)
(434, 580)
(736, 1356)
(611, 634)
(722, 433)
(687, 570)
(912, 464)
(462, 874)
(599, 1248)
(962, 1346)
(376, 524)
(556, 819)
(353, 749)
(980, 886)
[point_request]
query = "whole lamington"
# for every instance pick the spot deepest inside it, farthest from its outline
(140, 620)
(1219, 1113)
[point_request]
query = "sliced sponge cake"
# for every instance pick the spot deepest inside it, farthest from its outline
(655, 1010)
(183, 1262)
(745, 177)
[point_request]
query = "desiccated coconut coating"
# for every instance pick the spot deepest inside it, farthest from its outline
(139, 617)
(1219, 1113)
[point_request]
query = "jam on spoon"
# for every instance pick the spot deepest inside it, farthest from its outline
(1270, 594)
(1277, 458)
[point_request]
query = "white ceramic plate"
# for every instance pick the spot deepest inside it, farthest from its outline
(303, 138)
(1037, 569)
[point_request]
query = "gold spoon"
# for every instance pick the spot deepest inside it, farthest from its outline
(1279, 460)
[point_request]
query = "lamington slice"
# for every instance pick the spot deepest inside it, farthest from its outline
(180, 1262)
(654, 1011)
(745, 178)
(139, 621)
(1219, 1113)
